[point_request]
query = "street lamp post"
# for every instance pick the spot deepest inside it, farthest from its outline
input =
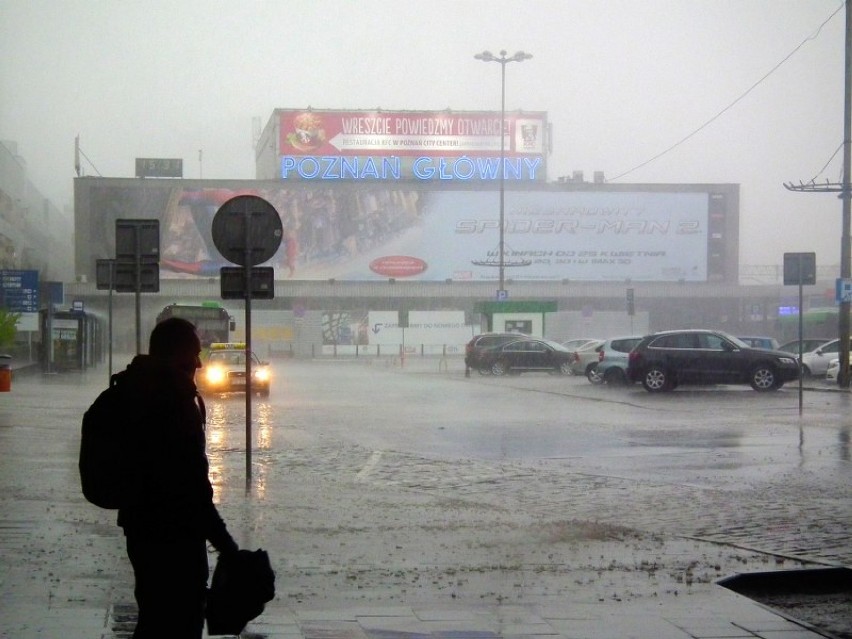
(487, 56)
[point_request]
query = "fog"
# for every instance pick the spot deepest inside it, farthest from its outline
(675, 91)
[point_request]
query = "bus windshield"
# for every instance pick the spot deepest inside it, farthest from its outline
(212, 322)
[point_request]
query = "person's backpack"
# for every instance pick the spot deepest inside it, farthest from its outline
(103, 453)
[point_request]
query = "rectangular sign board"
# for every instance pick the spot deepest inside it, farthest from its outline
(105, 274)
(125, 277)
(324, 145)
(19, 291)
(233, 283)
(159, 167)
(799, 268)
(350, 232)
(137, 239)
(843, 290)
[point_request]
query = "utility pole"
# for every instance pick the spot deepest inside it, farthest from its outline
(845, 190)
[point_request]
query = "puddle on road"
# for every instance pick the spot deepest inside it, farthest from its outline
(820, 597)
(683, 438)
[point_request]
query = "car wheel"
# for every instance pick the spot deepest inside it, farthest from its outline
(615, 377)
(656, 380)
(763, 378)
(592, 375)
(499, 367)
(564, 368)
(484, 370)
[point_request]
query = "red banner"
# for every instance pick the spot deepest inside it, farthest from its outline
(410, 133)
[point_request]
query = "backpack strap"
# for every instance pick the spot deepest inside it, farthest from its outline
(202, 409)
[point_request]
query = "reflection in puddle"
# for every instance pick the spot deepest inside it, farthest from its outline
(677, 438)
(226, 418)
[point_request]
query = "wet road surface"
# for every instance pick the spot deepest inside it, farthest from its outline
(380, 483)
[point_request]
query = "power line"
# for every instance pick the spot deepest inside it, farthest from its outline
(813, 36)
(833, 155)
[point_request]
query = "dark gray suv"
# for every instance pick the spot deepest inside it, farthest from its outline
(473, 349)
(663, 361)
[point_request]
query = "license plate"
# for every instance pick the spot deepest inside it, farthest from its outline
(238, 381)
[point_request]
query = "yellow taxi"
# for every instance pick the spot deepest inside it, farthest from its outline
(224, 370)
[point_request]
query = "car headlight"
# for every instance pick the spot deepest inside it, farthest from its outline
(215, 374)
(262, 374)
(788, 360)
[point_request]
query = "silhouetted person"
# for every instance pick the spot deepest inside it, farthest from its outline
(168, 514)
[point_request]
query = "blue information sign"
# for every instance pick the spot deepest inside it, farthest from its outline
(19, 291)
(842, 290)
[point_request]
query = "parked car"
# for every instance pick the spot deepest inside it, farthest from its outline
(833, 369)
(815, 363)
(663, 361)
(613, 356)
(224, 370)
(524, 355)
(808, 344)
(474, 347)
(579, 342)
(585, 358)
(760, 342)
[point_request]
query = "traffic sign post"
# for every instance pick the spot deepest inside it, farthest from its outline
(137, 257)
(800, 269)
(247, 230)
(105, 281)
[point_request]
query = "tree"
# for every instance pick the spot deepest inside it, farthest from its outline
(8, 327)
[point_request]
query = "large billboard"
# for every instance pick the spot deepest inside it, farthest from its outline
(456, 146)
(364, 232)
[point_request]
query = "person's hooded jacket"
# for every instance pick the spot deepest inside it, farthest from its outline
(168, 493)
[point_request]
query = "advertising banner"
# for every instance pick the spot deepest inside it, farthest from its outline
(374, 232)
(425, 145)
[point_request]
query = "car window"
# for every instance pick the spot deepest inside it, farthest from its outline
(624, 345)
(676, 340)
(831, 347)
(592, 346)
(556, 346)
(712, 342)
(537, 347)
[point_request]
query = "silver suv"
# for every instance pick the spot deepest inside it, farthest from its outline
(613, 356)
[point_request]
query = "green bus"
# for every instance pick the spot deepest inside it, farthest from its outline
(213, 322)
(816, 322)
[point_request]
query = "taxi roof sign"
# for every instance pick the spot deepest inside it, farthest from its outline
(227, 346)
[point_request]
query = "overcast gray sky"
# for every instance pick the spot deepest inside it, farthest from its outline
(621, 80)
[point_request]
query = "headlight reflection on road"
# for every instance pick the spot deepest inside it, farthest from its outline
(263, 442)
(225, 436)
(263, 411)
(217, 435)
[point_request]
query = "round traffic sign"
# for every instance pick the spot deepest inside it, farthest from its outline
(247, 230)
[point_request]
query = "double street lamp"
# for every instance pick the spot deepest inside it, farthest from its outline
(487, 56)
